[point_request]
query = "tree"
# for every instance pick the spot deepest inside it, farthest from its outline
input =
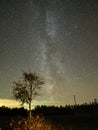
(27, 89)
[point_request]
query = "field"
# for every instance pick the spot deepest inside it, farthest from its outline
(77, 122)
(81, 117)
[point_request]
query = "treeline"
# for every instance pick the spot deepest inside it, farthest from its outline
(67, 110)
(91, 108)
(7, 111)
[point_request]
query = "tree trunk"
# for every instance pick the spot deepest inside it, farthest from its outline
(30, 114)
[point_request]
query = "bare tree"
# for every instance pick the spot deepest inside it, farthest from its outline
(27, 89)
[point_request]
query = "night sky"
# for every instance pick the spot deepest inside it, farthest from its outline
(57, 39)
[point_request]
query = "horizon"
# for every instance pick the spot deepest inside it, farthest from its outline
(15, 104)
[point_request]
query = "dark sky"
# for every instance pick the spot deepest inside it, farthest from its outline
(57, 39)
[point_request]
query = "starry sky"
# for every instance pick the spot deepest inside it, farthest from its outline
(55, 38)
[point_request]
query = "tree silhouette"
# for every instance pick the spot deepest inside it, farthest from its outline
(27, 89)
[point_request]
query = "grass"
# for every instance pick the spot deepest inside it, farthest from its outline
(35, 123)
(50, 123)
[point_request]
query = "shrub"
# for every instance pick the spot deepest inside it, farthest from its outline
(35, 123)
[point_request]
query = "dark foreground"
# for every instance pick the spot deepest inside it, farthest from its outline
(81, 117)
(76, 122)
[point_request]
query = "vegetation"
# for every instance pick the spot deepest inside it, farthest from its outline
(27, 89)
(90, 108)
(69, 117)
(80, 117)
(37, 123)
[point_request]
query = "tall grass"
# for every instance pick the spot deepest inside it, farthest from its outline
(36, 123)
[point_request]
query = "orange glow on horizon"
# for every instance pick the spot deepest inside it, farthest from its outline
(9, 103)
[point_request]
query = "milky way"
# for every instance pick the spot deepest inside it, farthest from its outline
(55, 38)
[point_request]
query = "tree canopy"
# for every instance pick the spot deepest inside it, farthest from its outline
(28, 88)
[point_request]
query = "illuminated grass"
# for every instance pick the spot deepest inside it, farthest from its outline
(36, 123)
